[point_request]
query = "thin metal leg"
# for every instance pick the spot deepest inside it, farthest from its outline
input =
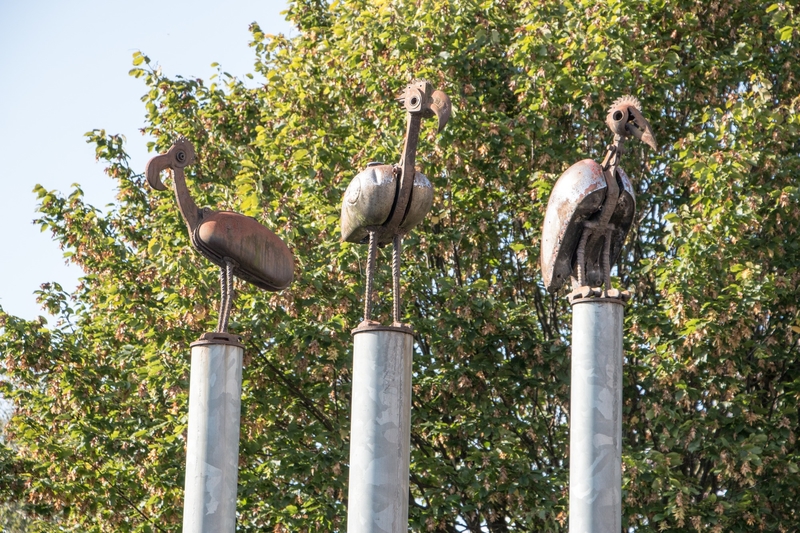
(226, 304)
(397, 248)
(607, 260)
(373, 252)
(581, 259)
(223, 285)
(229, 265)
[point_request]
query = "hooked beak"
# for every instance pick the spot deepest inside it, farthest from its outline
(640, 128)
(441, 107)
(417, 98)
(153, 170)
(178, 156)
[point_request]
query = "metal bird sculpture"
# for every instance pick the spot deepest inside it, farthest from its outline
(384, 202)
(238, 244)
(590, 211)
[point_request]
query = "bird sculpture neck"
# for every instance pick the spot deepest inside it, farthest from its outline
(186, 204)
(609, 166)
(407, 173)
(408, 159)
(177, 157)
(613, 154)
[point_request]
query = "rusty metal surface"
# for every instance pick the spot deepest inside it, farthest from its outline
(591, 210)
(420, 101)
(619, 225)
(593, 294)
(180, 155)
(263, 258)
(214, 338)
(391, 199)
(238, 244)
(384, 202)
(371, 325)
(577, 196)
(625, 118)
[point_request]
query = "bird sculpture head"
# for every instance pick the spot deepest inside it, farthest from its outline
(419, 98)
(625, 119)
(180, 155)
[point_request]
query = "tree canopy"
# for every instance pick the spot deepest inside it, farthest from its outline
(711, 375)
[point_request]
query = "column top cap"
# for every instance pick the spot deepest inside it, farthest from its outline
(218, 338)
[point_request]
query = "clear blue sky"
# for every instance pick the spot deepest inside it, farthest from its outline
(64, 72)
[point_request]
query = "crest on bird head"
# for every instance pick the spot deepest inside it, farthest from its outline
(626, 101)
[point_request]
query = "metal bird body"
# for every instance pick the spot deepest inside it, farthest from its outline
(262, 258)
(238, 244)
(579, 194)
(591, 210)
(384, 202)
(370, 198)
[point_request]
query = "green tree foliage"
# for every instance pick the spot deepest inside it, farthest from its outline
(712, 378)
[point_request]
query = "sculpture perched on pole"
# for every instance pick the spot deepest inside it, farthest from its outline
(241, 247)
(590, 211)
(384, 202)
(381, 204)
(238, 244)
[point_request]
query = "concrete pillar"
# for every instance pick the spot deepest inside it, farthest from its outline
(212, 441)
(595, 443)
(380, 432)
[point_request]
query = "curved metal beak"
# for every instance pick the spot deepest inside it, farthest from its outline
(180, 154)
(640, 128)
(442, 108)
(153, 170)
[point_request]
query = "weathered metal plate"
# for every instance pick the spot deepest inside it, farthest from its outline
(263, 258)
(369, 200)
(578, 195)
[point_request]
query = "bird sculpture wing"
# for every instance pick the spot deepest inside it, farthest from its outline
(578, 196)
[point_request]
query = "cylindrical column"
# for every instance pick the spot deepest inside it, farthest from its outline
(595, 442)
(212, 441)
(380, 431)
